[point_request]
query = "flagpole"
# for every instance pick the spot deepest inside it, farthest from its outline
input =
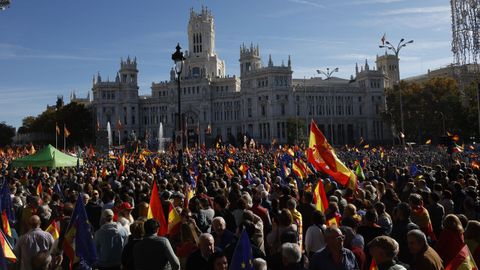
(64, 139)
(56, 136)
(118, 137)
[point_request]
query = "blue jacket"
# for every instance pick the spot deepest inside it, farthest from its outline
(110, 240)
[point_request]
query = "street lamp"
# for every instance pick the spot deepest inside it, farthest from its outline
(4, 4)
(443, 121)
(396, 51)
(328, 74)
(178, 59)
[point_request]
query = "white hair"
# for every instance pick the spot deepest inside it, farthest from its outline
(259, 264)
(419, 236)
(291, 252)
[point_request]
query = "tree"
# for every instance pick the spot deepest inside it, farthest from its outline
(296, 128)
(428, 109)
(74, 116)
(6, 134)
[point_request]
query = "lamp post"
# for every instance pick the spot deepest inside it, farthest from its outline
(4, 4)
(396, 51)
(178, 59)
(328, 74)
(443, 121)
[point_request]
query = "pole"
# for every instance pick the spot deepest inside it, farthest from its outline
(56, 136)
(306, 104)
(64, 139)
(401, 115)
(180, 125)
(331, 113)
(118, 130)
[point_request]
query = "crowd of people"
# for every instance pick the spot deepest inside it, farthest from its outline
(411, 209)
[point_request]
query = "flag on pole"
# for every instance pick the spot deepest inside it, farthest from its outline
(78, 241)
(66, 132)
(121, 167)
(228, 171)
(118, 126)
(383, 38)
(320, 197)
(53, 230)
(174, 221)
(299, 170)
(242, 256)
(6, 210)
(323, 158)
(39, 188)
(7, 250)
(57, 129)
(32, 150)
(155, 210)
(3, 260)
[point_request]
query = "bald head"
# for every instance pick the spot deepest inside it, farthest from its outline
(34, 222)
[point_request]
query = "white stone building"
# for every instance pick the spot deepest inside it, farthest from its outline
(258, 103)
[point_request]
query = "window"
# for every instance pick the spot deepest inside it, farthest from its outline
(282, 109)
(263, 110)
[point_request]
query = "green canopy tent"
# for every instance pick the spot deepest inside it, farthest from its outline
(47, 157)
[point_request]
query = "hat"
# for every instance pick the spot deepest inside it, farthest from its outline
(107, 213)
(125, 206)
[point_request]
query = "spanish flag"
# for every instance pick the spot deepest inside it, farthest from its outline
(57, 129)
(373, 265)
(121, 166)
(323, 158)
(53, 230)
(6, 209)
(463, 260)
(155, 210)
(299, 170)
(174, 221)
(39, 188)
(243, 168)
(66, 132)
(7, 249)
(228, 171)
(32, 150)
(320, 197)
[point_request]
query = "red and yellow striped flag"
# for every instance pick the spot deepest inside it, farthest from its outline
(66, 132)
(320, 197)
(463, 261)
(7, 249)
(53, 230)
(174, 221)
(155, 210)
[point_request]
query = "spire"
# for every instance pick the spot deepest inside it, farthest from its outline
(367, 67)
(270, 62)
(289, 61)
(356, 68)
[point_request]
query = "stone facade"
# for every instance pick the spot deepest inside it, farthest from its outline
(258, 103)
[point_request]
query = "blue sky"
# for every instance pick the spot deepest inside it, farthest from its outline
(52, 47)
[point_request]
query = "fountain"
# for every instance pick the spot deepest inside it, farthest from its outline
(109, 130)
(160, 138)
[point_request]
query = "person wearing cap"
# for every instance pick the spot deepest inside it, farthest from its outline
(383, 250)
(110, 240)
(125, 215)
(334, 255)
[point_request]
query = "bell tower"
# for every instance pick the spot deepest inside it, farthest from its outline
(201, 33)
(249, 59)
(388, 65)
